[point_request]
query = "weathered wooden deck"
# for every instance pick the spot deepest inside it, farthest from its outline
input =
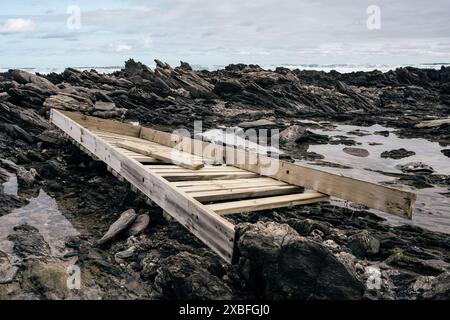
(198, 193)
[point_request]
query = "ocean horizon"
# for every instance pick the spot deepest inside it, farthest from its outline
(341, 68)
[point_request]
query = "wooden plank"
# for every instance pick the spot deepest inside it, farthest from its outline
(206, 175)
(210, 228)
(233, 185)
(204, 169)
(243, 206)
(182, 159)
(372, 195)
(261, 180)
(240, 193)
(92, 123)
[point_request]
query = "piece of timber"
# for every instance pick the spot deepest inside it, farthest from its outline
(240, 193)
(232, 185)
(206, 175)
(216, 232)
(244, 206)
(372, 195)
(261, 180)
(182, 159)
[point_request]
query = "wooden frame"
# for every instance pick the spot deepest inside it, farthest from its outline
(205, 220)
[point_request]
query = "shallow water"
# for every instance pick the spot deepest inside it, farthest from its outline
(432, 210)
(236, 137)
(42, 213)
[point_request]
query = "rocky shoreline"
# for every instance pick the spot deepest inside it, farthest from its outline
(312, 252)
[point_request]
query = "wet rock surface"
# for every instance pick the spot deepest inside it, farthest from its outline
(312, 252)
(397, 154)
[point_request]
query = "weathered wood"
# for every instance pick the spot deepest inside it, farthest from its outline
(213, 230)
(182, 159)
(372, 195)
(433, 123)
(240, 193)
(244, 206)
(259, 180)
(231, 185)
(183, 176)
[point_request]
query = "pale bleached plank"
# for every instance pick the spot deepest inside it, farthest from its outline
(372, 195)
(259, 204)
(206, 175)
(233, 185)
(268, 181)
(240, 193)
(179, 158)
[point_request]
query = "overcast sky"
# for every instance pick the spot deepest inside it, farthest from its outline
(37, 34)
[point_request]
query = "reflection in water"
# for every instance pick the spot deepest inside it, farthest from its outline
(42, 213)
(432, 210)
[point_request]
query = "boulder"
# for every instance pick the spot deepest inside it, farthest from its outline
(228, 87)
(363, 244)
(121, 224)
(281, 264)
(185, 276)
(446, 152)
(415, 167)
(26, 77)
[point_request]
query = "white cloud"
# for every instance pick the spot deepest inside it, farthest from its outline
(123, 48)
(17, 26)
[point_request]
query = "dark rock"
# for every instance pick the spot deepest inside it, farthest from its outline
(281, 264)
(363, 244)
(184, 276)
(258, 124)
(26, 77)
(312, 138)
(397, 154)
(433, 288)
(125, 220)
(26, 178)
(357, 152)
(382, 133)
(51, 138)
(228, 87)
(306, 226)
(291, 134)
(70, 102)
(446, 152)
(416, 167)
(139, 225)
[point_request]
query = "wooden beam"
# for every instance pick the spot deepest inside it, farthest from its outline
(216, 232)
(183, 176)
(240, 193)
(260, 180)
(179, 158)
(244, 206)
